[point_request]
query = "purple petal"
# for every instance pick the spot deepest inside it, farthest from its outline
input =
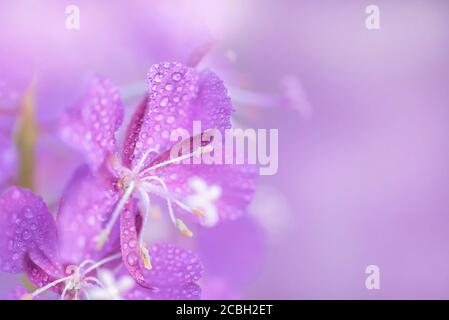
(28, 231)
(178, 95)
(85, 208)
(132, 133)
(38, 276)
(213, 105)
(8, 159)
(237, 184)
(190, 291)
(171, 266)
(91, 125)
(129, 225)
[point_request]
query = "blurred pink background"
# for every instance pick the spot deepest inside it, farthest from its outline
(363, 180)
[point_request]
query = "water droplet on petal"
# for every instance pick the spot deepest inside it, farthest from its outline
(170, 120)
(158, 77)
(164, 102)
(26, 235)
(132, 259)
(176, 76)
(28, 212)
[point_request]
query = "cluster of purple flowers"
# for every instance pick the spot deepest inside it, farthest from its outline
(95, 248)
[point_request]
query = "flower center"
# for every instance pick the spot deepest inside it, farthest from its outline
(142, 183)
(77, 281)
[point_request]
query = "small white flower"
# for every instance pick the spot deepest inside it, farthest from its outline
(203, 199)
(112, 289)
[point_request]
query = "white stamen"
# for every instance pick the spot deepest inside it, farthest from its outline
(162, 193)
(195, 153)
(102, 262)
(49, 286)
(85, 263)
(143, 159)
(76, 279)
(121, 204)
(169, 203)
(178, 223)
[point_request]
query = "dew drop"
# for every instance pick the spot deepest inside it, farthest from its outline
(26, 235)
(164, 102)
(158, 77)
(170, 120)
(28, 212)
(176, 76)
(132, 259)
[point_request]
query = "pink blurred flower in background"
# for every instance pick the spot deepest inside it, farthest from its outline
(9, 100)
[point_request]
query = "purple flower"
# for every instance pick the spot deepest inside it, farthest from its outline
(32, 242)
(143, 170)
